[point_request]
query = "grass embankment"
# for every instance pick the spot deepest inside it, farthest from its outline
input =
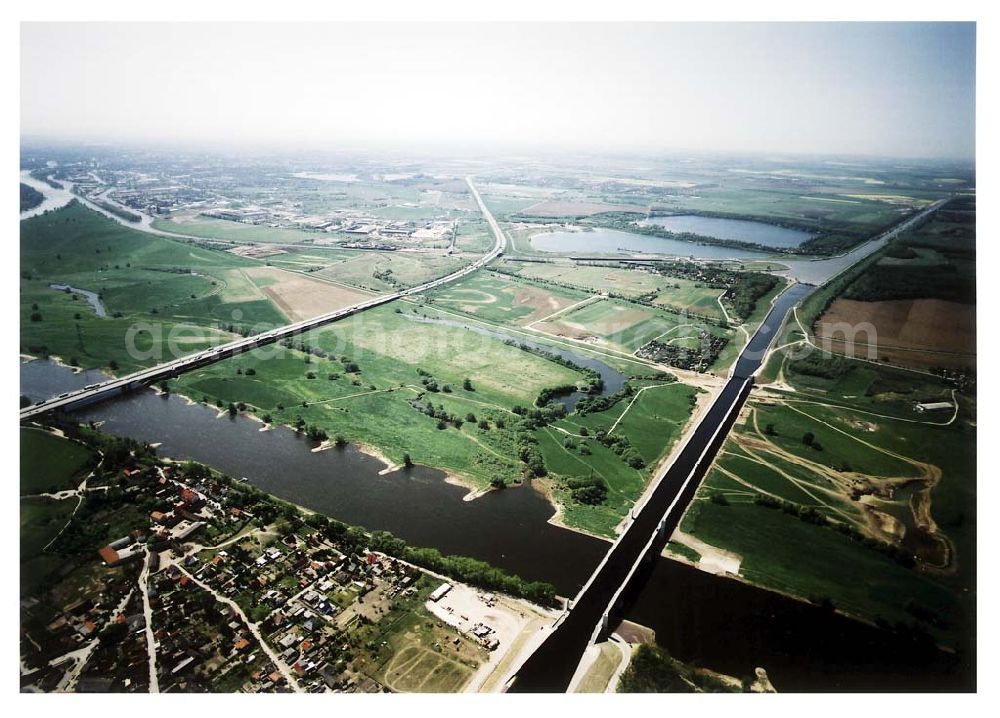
(781, 552)
(50, 463)
(653, 670)
(649, 427)
(868, 459)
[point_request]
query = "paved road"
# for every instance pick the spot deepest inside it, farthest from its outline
(115, 387)
(283, 668)
(147, 611)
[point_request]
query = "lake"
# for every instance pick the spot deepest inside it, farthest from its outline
(739, 230)
(613, 241)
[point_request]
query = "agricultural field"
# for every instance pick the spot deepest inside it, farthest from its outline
(193, 224)
(509, 198)
(572, 208)
(911, 332)
(301, 296)
(674, 293)
(371, 271)
(474, 235)
(496, 297)
(626, 327)
(627, 282)
(387, 271)
(914, 304)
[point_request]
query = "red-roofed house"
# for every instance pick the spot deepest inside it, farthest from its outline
(109, 556)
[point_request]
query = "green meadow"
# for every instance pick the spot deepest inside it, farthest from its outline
(180, 295)
(50, 463)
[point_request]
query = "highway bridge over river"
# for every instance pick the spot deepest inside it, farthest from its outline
(102, 391)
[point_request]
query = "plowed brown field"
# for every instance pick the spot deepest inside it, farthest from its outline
(911, 332)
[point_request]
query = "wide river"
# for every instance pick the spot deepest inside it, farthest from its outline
(715, 622)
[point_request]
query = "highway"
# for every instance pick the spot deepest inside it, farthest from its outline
(144, 377)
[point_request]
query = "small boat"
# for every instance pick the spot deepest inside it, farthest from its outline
(245, 480)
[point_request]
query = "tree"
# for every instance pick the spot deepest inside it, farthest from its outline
(719, 498)
(769, 430)
(808, 438)
(232, 409)
(407, 461)
(470, 417)
(467, 384)
(636, 461)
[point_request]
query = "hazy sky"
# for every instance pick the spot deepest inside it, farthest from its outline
(867, 88)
